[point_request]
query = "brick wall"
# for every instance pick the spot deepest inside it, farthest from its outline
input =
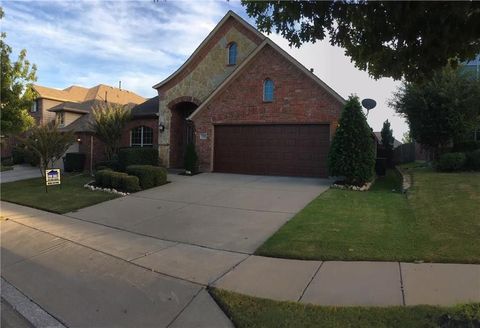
(298, 99)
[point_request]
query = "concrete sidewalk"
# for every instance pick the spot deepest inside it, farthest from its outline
(62, 243)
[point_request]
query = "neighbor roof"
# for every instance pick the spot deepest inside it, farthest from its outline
(210, 36)
(101, 92)
(396, 143)
(147, 108)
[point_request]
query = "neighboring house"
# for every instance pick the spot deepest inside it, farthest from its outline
(72, 107)
(248, 106)
(472, 67)
(378, 136)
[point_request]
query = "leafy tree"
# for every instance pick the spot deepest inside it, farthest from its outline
(48, 143)
(387, 140)
(15, 89)
(440, 111)
(407, 137)
(109, 121)
(398, 39)
(352, 151)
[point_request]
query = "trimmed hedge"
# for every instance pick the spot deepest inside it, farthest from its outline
(22, 155)
(74, 162)
(149, 175)
(451, 162)
(18, 155)
(473, 160)
(114, 165)
(117, 180)
(137, 156)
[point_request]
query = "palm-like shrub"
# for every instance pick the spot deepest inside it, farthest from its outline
(109, 121)
(352, 151)
(48, 143)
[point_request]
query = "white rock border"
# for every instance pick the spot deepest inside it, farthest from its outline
(109, 190)
(365, 187)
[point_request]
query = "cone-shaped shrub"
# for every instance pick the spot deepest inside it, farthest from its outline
(352, 151)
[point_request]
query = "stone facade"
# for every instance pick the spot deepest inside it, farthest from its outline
(297, 99)
(206, 70)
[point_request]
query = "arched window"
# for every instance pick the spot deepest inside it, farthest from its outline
(232, 54)
(141, 136)
(268, 90)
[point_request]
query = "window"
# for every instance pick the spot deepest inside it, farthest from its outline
(141, 136)
(268, 89)
(232, 54)
(34, 107)
(61, 118)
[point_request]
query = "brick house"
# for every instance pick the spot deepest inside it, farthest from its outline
(248, 106)
(71, 108)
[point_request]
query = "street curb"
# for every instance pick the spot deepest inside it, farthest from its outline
(27, 308)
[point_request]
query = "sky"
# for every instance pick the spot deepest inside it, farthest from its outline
(142, 42)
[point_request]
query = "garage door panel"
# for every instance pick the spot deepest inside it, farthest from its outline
(294, 149)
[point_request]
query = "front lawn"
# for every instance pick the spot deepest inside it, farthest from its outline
(70, 196)
(437, 222)
(247, 311)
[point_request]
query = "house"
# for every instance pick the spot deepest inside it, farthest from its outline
(248, 106)
(378, 137)
(72, 107)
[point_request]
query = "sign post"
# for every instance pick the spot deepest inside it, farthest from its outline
(52, 177)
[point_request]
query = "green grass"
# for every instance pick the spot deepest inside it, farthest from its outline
(438, 221)
(246, 311)
(70, 196)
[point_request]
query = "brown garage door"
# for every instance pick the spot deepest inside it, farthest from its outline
(283, 149)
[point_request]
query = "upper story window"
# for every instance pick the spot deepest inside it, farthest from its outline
(232, 54)
(34, 108)
(141, 136)
(61, 118)
(268, 90)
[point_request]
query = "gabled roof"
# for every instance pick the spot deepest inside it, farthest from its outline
(249, 60)
(75, 94)
(230, 14)
(148, 108)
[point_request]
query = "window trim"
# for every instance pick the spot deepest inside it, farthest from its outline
(143, 129)
(265, 89)
(229, 47)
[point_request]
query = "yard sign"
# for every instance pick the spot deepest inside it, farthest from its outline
(52, 177)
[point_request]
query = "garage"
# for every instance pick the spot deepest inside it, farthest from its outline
(272, 149)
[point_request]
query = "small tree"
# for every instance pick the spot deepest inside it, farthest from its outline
(351, 154)
(48, 143)
(407, 137)
(109, 121)
(191, 158)
(387, 141)
(440, 111)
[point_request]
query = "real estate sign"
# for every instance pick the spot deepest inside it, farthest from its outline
(52, 177)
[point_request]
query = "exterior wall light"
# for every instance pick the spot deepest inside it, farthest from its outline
(161, 127)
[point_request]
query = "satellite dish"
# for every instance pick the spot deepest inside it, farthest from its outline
(369, 103)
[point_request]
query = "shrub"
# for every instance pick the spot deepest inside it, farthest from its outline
(191, 158)
(352, 152)
(473, 160)
(31, 157)
(466, 146)
(137, 156)
(450, 162)
(117, 180)
(74, 162)
(7, 161)
(18, 155)
(113, 164)
(131, 184)
(149, 175)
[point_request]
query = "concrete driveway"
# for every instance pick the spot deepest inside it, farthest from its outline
(229, 212)
(20, 172)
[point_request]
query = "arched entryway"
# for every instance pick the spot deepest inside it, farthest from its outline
(182, 132)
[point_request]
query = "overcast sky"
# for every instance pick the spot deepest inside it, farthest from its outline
(140, 43)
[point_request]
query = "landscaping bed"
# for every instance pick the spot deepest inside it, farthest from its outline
(71, 195)
(247, 311)
(437, 221)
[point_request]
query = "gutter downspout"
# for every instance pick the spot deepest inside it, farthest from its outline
(91, 154)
